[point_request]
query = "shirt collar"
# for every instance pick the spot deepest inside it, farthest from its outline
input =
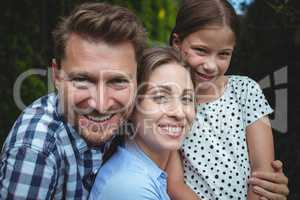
(152, 167)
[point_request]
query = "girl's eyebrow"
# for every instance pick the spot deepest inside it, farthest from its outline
(227, 49)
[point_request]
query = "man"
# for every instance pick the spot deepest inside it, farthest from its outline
(55, 147)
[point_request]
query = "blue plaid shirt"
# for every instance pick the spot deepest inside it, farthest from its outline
(45, 158)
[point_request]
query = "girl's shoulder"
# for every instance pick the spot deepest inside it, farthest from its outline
(241, 81)
(243, 88)
(242, 84)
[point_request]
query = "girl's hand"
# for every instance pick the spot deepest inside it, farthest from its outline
(177, 189)
(271, 185)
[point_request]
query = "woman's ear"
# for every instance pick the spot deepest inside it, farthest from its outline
(176, 43)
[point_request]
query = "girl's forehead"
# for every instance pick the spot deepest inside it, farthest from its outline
(219, 35)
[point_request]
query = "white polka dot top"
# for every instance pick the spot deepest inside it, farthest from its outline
(215, 157)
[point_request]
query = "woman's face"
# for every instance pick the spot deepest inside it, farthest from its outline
(209, 52)
(163, 115)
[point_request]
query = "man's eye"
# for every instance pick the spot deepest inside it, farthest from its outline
(119, 83)
(81, 83)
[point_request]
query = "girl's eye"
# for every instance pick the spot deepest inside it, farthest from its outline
(200, 51)
(225, 55)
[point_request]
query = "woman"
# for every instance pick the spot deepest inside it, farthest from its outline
(163, 114)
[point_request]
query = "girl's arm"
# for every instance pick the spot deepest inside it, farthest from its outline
(261, 150)
(177, 189)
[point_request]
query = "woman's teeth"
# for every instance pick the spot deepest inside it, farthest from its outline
(172, 129)
(101, 118)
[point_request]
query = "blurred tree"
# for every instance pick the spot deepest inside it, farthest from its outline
(270, 41)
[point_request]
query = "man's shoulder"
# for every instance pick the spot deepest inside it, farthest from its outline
(37, 126)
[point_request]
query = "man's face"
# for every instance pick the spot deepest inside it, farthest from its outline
(96, 84)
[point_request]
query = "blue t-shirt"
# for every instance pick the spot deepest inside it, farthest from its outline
(130, 175)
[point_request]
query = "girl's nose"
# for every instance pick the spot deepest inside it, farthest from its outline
(210, 66)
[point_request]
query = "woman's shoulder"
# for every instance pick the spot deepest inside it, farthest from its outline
(128, 184)
(120, 176)
(122, 161)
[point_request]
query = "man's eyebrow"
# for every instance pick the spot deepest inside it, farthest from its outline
(91, 75)
(79, 74)
(121, 76)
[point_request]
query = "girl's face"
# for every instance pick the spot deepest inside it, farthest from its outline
(163, 115)
(209, 52)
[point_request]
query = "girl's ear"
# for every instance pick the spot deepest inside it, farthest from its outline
(176, 43)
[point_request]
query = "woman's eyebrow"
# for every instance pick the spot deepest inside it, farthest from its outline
(161, 88)
(188, 91)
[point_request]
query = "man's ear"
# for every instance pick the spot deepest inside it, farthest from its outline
(55, 73)
(176, 42)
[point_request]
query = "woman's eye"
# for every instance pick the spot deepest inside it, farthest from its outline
(160, 98)
(187, 100)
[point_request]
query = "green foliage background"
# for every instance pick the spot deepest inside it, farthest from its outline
(270, 40)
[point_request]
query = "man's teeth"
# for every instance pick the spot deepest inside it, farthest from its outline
(99, 118)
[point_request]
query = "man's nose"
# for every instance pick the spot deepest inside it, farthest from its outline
(102, 99)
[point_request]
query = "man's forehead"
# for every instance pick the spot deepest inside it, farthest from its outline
(104, 72)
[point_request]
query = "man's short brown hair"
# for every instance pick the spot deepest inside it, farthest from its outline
(100, 22)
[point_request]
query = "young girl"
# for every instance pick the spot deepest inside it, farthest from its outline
(163, 114)
(231, 136)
